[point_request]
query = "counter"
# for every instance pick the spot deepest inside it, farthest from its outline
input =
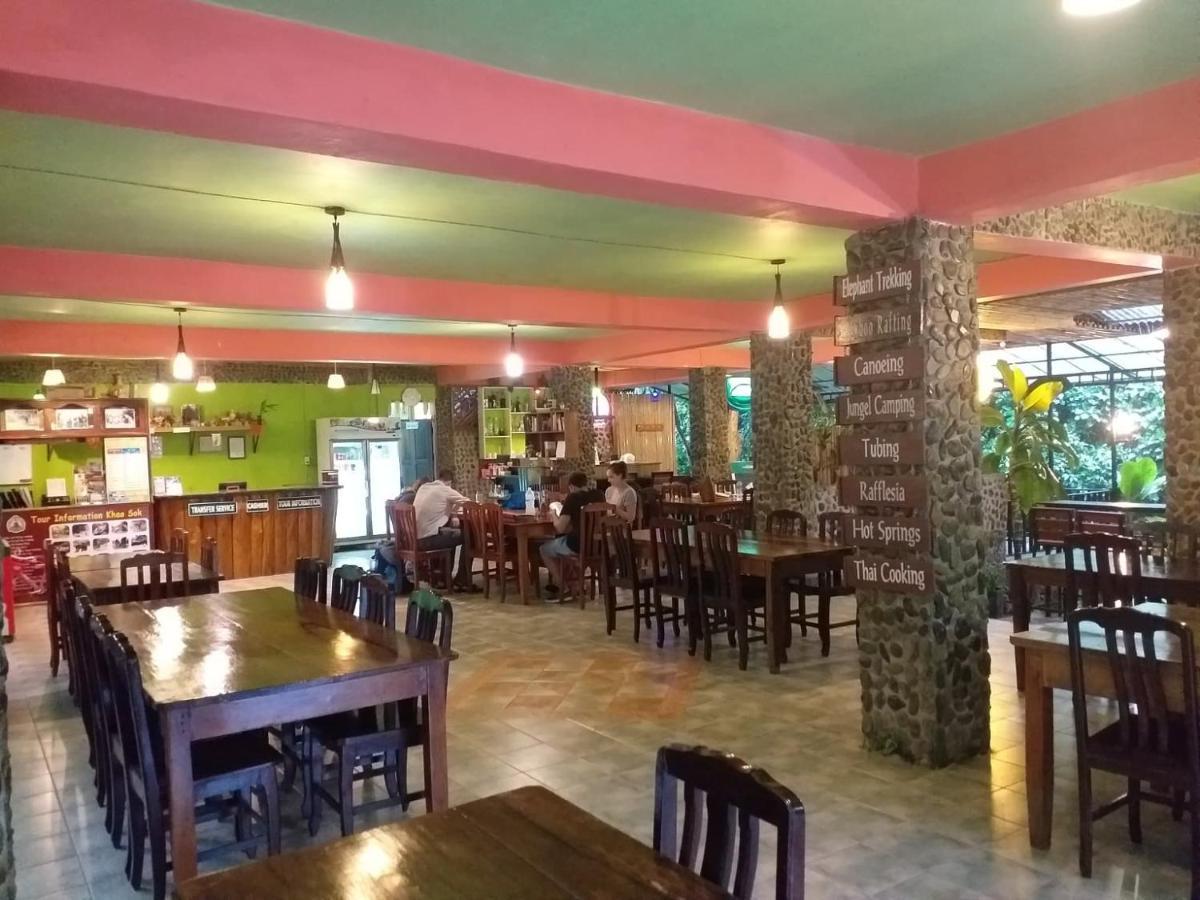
(258, 532)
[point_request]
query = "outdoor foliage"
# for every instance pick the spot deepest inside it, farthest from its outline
(1139, 480)
(1085, 411)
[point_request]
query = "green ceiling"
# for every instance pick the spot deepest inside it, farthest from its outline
(1180, 194)
(909, 75)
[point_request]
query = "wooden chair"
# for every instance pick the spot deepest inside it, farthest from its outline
(1148, 744)
(829, 584)
(110, 770)
(377, 601)
(389, 514)
(749, 522)
(1090, 521)
(64, 600)
(730, 791)
(1161, 541)
(722, 590)
(343, 593)
(1049, 527)
(671, 566)
(310, 580)
(677, 490)
(155, 576)
(210, 558)
(621, 570)
(55, 571)
(178, 542)
(490, 545)
(426, 562)
(658, 478)
(1111, 573)
(707, 490)
(726, 486)
(587, 568)
(649, 506)
(361, 748)
(786, 523)
(87, 684)
(236, 766)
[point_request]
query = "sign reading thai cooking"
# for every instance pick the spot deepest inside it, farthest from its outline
(905, 575)
(883, 406)
(905, 364)
(868, 448)
(890, 281)
(869, 490)
(888, 324)
(887, 532)
(313, 502)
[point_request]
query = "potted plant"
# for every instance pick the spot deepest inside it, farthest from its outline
(1138, 480)
(1028, 439)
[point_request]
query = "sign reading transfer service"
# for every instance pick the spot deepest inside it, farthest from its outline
(867, 448)
(906, 575)
(890, 281)
(906, 364)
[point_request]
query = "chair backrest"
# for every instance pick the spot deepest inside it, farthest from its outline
(98, 631)
(786, 523)
(429, 617)
(1140, 648)
(649, 506)
(389, 516)
(132, 721)
(493, 526)
(343, 593)
(720, 564)
(725, 798)
(210, 558)
(404, 517)
(620, 560)
(591, 536)
(661, 477)
(1111, 569)
(377, 601)
(677, 490)
(1161, 541)
(87, 681)
(829, 526)
(1049, 526)
(671, 555)
(310, 580)
(154, 576)
(179, 541)
(1099, 520)
(706, 490)
(475, 527)
(725, 486)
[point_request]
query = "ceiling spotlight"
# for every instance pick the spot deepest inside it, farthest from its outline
(779, 326)
(182, 368)
(339, 289)
(514, 365)
(335, 381)
(1090, 8)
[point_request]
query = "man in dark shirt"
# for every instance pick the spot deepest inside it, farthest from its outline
(567, 525)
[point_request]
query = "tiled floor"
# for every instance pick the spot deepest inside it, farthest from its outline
(542, 695)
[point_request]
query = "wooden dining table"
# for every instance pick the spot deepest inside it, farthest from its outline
(1174, 580)
(221, 664)
(697, 510)
(774, 559)
(526, 844)
(527, 531)
(105, 584)
(1046, 664)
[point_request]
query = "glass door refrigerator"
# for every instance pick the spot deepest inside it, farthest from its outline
(374, 458)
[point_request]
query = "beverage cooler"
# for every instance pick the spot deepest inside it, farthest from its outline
(374, 458)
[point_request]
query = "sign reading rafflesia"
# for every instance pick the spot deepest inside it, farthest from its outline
(901, 490)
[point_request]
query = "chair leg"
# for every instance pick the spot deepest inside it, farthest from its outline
(487, 578)
(693, 623)
(243, 828)
(675, 615)
(823, 620)
(287, 740)
(158, 852)
(742, 639)
(135, 856)
(1195, 810)
(402, 776)
(1085, 821)
(390, 781)
(346, 791)
(270, 807)
(116, 803)
(610, 613)
(1135, 810)
(706, 632)
(316, 774)
(658, 618)
(502, 574)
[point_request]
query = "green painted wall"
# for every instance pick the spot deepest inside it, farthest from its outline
(289, 434)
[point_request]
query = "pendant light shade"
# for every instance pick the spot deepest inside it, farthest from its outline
(182, 368)
(159, 392)
(339, 289)
(53, 376)
(779, 325)
(205, 383)
(514, 365)
(38, 395)
(335, 381)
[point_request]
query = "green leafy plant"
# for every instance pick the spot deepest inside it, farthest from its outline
(1029, 439)
(1138, 479)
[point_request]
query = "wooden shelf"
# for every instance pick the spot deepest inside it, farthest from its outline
(252, 429)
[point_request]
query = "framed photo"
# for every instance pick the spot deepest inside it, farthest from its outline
(72, 418)
(18, 419)
(237, 446)
(209, 443)
(120, 417)
(190, 414)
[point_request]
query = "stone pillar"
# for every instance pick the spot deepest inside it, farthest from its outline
(709, 414)
(456, 434)
(1181, 315)
(571, 387)
(781, 398)
(8, 868)
(924, 660)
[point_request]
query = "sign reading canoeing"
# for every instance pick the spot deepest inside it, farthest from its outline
(211, 507)
(892, 281)
(903, 575)
(888, 532)
(906, 364)
(864, 448)
(890, 406)
(888, 324)
(285, 503)
(904, 490)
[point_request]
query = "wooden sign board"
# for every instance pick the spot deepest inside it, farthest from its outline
(285, 503)
(648, 426)
(881, 406)
(905, 364)
(258, 506)
(888, 324)
(890, 281)
(867, 448)
(196, 508)
(904, 575)
(888, 532)
(866, 490)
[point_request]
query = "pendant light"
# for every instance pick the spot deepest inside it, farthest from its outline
(514, 366)
(205, 383)
(778, 324)
(596, 392)
(339, 289)
(38, 395)
(182, 368)
(53, 376)
(335, 381)
(159, 392)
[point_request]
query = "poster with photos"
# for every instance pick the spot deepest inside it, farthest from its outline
(123, 418)
(18, 419)
(72, 418)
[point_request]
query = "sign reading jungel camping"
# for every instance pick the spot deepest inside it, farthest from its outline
(905, 364)
(869, 490)
(890, 281)
(867, 448)
(888, 324)
(880, 406)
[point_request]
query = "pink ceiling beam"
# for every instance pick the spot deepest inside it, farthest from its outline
(735, 359)
(626, 378)
(1020, 276)
(208, 71)
(618, 347)
(1148, 137)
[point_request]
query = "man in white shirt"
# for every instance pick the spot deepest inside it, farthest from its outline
(436, 506)
(620, 494)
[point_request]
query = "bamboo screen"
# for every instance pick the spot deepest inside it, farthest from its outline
(645, 428)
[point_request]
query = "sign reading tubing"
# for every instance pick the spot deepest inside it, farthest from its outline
(907, 364)
(890, 281)
(867, 448)
(878, 407)
(866, 490)
(905, 575)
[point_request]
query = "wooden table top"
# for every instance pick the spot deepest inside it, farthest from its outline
(763, 547)
(110, 579)
(1170, 569)
(212, 646)
(526, 844)
(1114, 505)
(1054, 634)
(95, 561)
(720, 502)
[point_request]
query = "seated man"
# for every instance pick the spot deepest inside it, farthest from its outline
(567, 525)
(409, 494)
(436, 507)
(620, 494)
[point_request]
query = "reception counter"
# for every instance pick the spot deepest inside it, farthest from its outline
(258, 532)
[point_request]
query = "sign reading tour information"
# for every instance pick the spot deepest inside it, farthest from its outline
(905, 575)
(905, 364)
(891, 281)
(866, 448)
(313, 502)
(880, 406)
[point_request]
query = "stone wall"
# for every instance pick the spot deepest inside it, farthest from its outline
(709, 413)
(1181, 315)
(571, 387)
(8, 870)
(781, 398)
(924, 659)
(144, 371)
(456, 435)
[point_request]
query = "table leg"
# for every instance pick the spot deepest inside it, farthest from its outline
(1039, 753)
(771, 614)
(1018, 597)
(523, 566)
(436, 766)
(176, 724)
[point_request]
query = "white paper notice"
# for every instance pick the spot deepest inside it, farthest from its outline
(16, 463)
(127, 469)
(56, 487)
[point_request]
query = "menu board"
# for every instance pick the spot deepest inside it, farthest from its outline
(882, 442)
